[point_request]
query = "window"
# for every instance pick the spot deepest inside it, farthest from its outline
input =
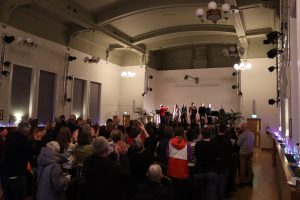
(94, 110)
(78, 97)
(46, 96)
(20, 93)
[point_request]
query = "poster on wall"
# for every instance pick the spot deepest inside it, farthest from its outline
(1, 114)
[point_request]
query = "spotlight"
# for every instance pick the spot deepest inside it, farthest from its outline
(68, 99)
(186, 77)
(8, 39)
(240, 93)
(71, 58)
(273, 53)
(233, 73)
(271, 69)
(234, 87)
(272, 37)
(69, 78)
(150, 89)
(144, 93)
(150, 77)
(6, 63)
(4, 73)
(273, 101)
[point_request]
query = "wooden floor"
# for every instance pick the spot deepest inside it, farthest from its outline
(265, 184)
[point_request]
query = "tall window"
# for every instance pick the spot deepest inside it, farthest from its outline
(78, 97)
(20, 93)
(46, 97)
(94, 110)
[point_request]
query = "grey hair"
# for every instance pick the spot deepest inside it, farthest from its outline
(100, 145)
(154, 172)
(24, 128)
(54, 146)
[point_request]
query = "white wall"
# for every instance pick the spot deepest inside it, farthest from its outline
(131, 89)
(260, 85)
(214, 87)
(50, 57)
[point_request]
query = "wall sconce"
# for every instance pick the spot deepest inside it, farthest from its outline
(8, 39)
(91, 60)
(71, 58)
(28, 42)
(196, 79)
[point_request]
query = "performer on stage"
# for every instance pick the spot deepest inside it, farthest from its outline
(193, 112)
(183, 115)
(208, 114)
(202, 113)
(175, 113)
(162, 113)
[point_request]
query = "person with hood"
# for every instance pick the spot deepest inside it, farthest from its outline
(179, 154)
(51, 180)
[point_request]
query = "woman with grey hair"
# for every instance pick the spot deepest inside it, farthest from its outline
(51, 180)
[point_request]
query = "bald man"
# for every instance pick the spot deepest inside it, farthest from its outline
(245, 142)
(154, 187)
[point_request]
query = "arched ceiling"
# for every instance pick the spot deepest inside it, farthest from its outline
(148, 24)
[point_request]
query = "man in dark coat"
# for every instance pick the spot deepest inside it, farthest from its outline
(106, 178)
(17, 155)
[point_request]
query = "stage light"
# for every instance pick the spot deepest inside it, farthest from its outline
(234, 87)
(68, 99)
(233, 73)
(186, 77)
(5, 73)
(150, 77)
(8, 39)
(150, 89)
(272, 37)
(6, 63)
(273, 53)
(273, 101)
(196, 79)
(71, 58)
(240, 93)
(70, 78)
(271, 69)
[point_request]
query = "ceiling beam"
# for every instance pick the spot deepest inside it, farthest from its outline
(186, 28)
(237, 22)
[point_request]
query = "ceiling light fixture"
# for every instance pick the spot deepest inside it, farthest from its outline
(92, 59)
(128, 74)
(28, 42)
(243, 65)
(213, 13)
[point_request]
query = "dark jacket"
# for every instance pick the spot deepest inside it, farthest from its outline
(206, 155)
(17, 154)
(155, 190)
(224, 150)
(50, 178)
(106, 179)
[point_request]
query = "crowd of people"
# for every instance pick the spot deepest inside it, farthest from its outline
(73, 159)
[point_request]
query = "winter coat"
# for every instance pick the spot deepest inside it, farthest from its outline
(179, 153)
(50, 178)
